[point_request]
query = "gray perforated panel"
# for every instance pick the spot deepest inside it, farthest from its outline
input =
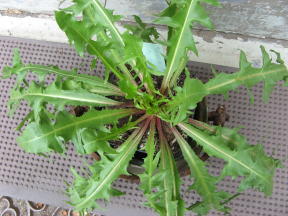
(31, 177)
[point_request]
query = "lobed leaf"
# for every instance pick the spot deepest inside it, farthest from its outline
(38, 96)
(85, 191)
(80, 33)
(180, 17)
(150, 179)
(204, 183)
(46, 135)
(133, 53)
(168, 200)
(94, 12)
(242, 159)
(97, 34)
(92, 139)
(90, 28)
(193, 90)
(270, 73)
(142, 30)
(91, 83)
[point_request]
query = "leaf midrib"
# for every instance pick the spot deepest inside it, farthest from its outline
(194, 164)
(95, 50)
(184, 127)
(163, 164)
(114, 29)
(115, 167)
(93, 101)
(76, 76)
(261, 73)
(77, 123)
(168, 75)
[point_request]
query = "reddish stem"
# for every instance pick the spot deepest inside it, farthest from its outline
(201, 125)
(159, 123)
(138, 112)
(124, 105)
(159, 127)
(145, 125)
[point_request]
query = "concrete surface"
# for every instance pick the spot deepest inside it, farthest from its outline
(240, 24)
(262, 18)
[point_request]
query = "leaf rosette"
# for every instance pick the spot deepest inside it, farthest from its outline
(139, 103)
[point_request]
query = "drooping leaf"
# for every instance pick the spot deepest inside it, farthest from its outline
(270, 73)
(180, 19)
(85, 191)
(204, 183)
(45, 136)
(242, 159)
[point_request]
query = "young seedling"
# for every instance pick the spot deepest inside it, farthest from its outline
(141, 100)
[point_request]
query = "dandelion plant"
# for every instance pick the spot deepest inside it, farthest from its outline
(140, 99)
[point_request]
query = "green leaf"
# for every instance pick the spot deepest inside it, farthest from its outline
(80, 33)
(85, 191)
(99, 15)
(249, 76)
(169, 200)
(86, 141)
(70, 84)
(97, 33)
(133, 53)
(92, 139)
(204, 183)
(150, 179)
(142, 30)
(130, 90)
(45, 136)
(31, 139)
(92, 83)
(150, 162)
(181, 39)
(186, 99)
(38, 96)
(193, 90)
(242, 159)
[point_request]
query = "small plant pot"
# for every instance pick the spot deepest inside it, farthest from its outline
(135, 167)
